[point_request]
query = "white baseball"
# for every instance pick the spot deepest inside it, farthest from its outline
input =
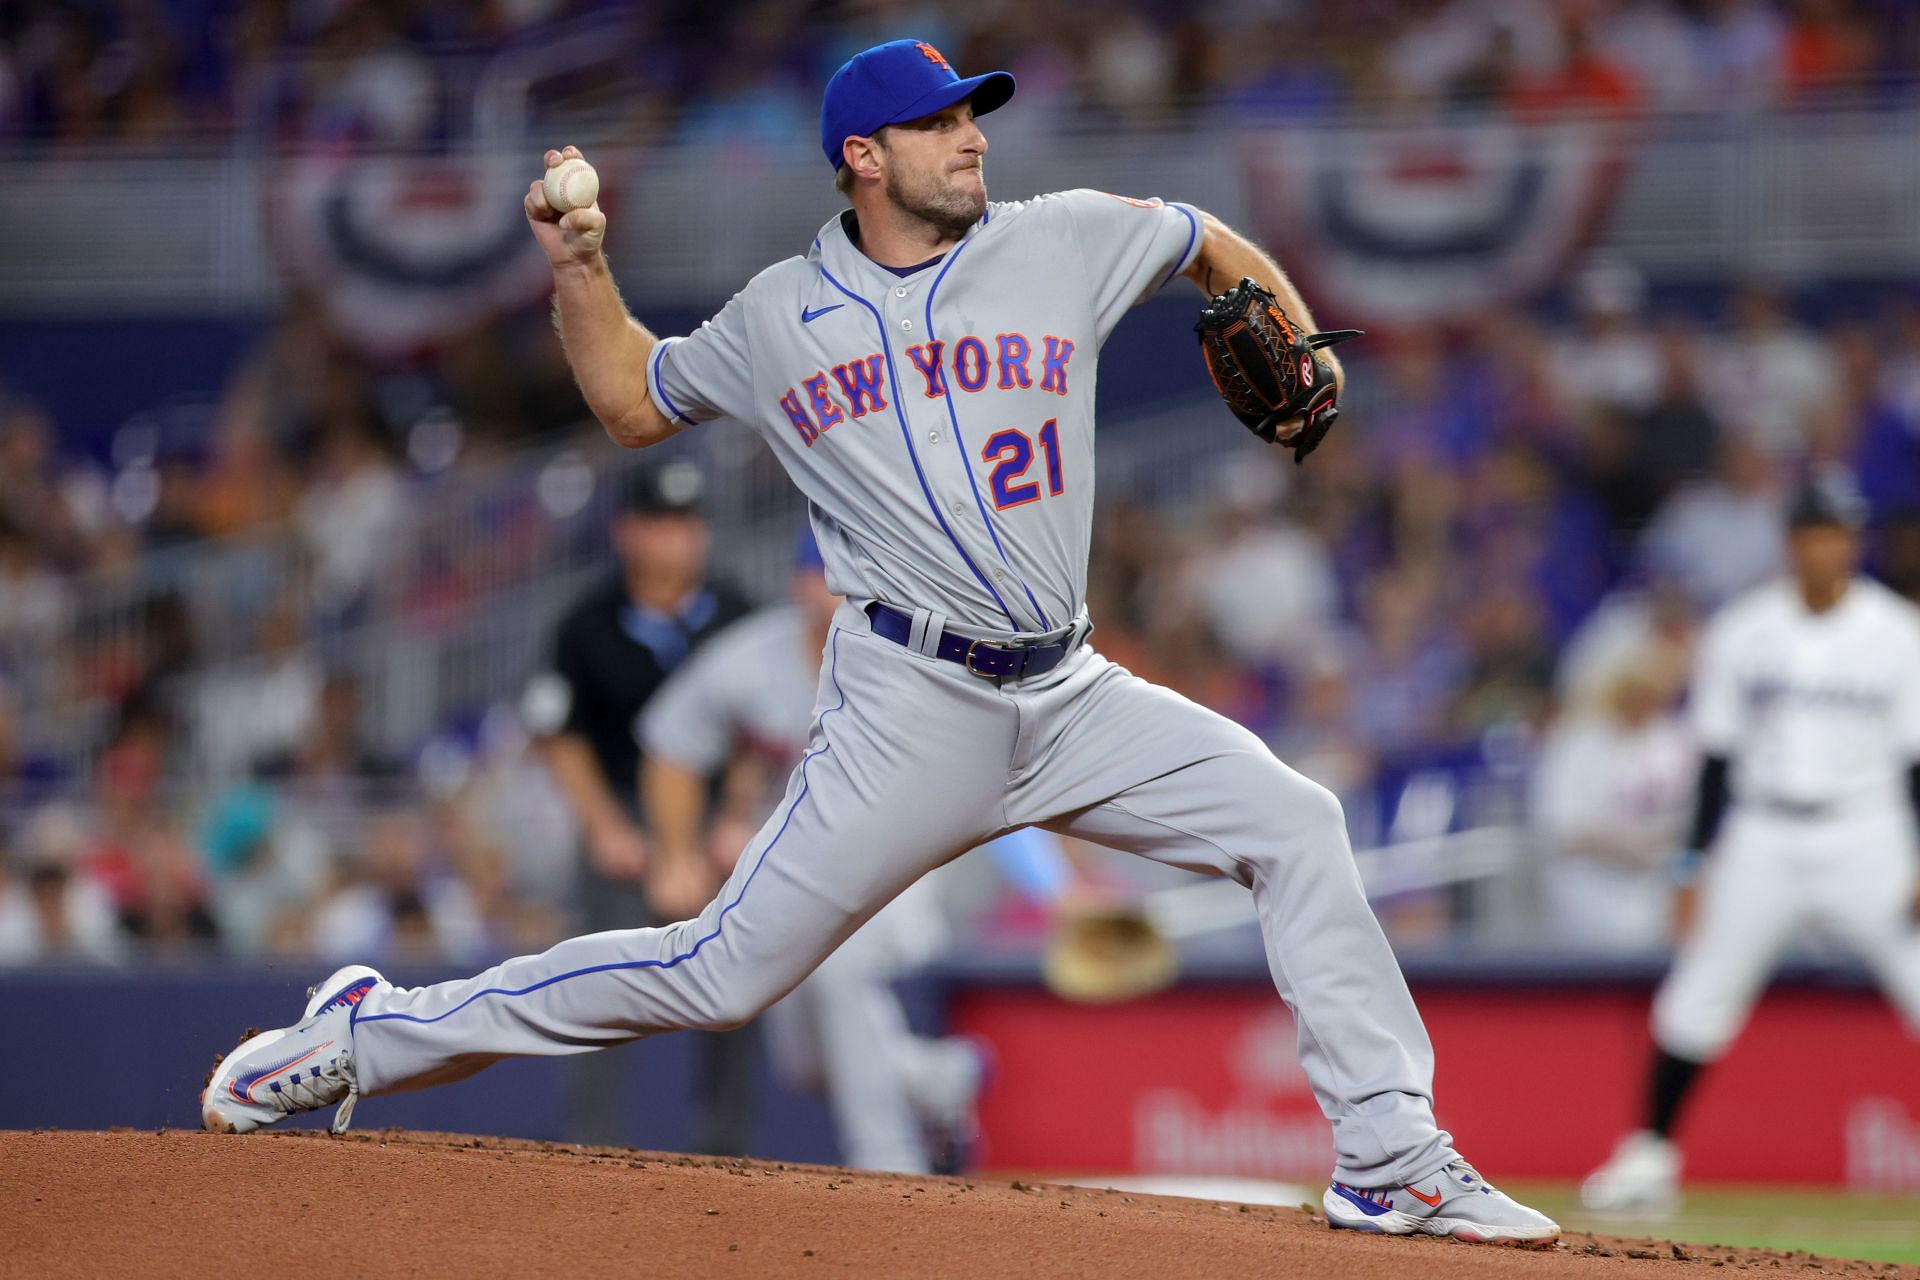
(571, 184)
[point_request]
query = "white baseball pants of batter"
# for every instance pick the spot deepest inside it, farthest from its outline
(911, 761)
(1772, 881)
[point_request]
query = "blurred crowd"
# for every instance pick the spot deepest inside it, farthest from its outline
(331, 852)
(332, 72)
(310, 438)
(1476, 605)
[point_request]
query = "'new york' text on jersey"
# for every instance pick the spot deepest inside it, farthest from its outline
(941, 424)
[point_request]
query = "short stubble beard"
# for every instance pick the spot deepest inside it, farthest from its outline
(948, 209)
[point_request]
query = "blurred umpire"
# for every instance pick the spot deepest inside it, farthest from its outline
(1806, 703)
(612, 650)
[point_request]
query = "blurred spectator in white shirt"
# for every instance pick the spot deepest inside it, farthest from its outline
(1612, 358)
(388, 905)
(351, 514)
(48, 911)
(35, 603)
(1610, 797)
(1718, 538)
(1740, 47)
(509, 793)
(1430, 54)
(337, 758)
(1264, 585)
(1130, 67)
(262, 706)
(370, 85)
(1652, 39)
(1770, 376)
(1654, 625)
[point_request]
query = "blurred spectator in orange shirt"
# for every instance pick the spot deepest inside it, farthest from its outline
(1587, 81)
(1828, 47)
(247, 485)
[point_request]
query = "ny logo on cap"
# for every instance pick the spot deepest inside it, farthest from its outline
(933, 55)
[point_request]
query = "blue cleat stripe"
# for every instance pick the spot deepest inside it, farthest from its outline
(1364, 1205)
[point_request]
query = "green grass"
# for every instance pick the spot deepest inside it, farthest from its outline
(1819, 1220)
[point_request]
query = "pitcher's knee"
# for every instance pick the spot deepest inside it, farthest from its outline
(1300, 809)
(1297, 822)
(1320, 812)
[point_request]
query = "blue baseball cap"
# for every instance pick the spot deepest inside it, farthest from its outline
(895, 82)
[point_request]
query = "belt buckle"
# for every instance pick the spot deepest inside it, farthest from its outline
(968, 660)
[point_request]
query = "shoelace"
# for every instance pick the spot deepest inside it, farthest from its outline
(322, 1085)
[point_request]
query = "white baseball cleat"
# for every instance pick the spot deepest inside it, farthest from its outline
(1642, 1177)
(303, 1067)
(1455, 1202)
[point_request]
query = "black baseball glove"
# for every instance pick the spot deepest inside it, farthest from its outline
(1267, 370)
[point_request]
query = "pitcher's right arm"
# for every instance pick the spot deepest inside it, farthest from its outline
(607, 348)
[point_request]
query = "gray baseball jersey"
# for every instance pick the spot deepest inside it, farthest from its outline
(940, 424)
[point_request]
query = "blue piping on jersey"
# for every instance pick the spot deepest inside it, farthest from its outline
(960, 444)
(719, 923)
(906, 434)
(653, 381)
(1193, 233)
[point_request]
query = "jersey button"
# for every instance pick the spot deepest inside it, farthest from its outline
(906, 324)
(959, 508)
(934, 436)
(901, 292)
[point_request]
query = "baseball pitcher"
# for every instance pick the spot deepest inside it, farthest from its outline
(926, 371)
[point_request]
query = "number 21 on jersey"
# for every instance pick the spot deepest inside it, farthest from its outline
(1011, 452)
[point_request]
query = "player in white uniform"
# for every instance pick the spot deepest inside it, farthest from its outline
(1806, 701)
(925, 373)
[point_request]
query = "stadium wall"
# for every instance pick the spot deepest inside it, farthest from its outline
(1537, 1077)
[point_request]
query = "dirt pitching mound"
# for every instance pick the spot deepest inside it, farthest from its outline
(396, 1203)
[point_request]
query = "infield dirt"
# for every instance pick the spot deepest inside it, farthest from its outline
(418, 1204)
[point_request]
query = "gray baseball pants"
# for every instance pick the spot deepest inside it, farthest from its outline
(912, 761)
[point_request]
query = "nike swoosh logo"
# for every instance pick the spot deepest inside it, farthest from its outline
(808, 316)
(1431, 1201)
